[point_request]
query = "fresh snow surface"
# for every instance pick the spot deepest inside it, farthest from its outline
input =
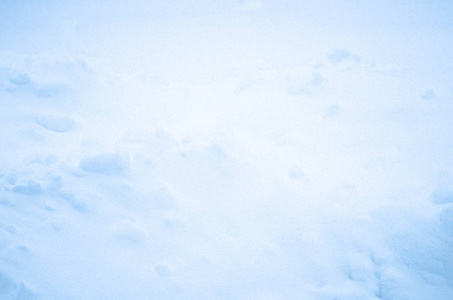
(252, 149)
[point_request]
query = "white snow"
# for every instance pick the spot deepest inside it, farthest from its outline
(226, 150)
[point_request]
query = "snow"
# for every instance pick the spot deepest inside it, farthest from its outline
(57, 124)
(226, 150)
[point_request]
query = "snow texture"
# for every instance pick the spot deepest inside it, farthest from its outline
(226, 150)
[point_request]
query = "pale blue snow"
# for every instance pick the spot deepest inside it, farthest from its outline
(226, 150)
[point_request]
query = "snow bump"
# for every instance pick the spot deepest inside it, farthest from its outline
(106, 164)
(56, 124)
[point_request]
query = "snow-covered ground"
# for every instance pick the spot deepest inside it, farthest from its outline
(226, 149)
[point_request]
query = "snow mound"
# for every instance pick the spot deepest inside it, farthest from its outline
(56, 124)
(106, 164)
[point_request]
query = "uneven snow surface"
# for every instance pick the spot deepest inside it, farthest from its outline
(252, 149)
